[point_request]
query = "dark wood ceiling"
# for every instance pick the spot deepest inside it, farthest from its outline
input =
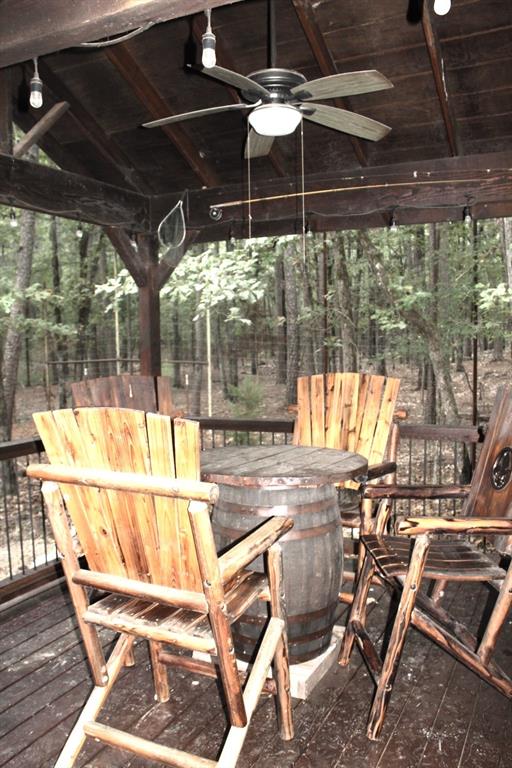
(452, 98)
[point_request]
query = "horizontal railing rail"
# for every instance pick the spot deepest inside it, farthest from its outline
(428, 454)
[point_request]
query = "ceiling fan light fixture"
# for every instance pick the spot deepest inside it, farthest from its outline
(441, 7)
(275, 119)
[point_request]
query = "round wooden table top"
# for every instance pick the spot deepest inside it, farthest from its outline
(280, 465)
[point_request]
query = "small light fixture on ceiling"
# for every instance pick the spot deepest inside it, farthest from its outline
(79, 231)
(36, 89)
(393, 226)
(441, 7)
(13, 221)
(275, 119)
(466, 215)
(209, 60)
(133, 241)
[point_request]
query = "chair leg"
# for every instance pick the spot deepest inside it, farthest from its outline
(160, 678)
(358, 610)
(94, 703)
(281, 663)
(398, 635)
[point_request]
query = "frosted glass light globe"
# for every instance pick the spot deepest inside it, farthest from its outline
(441, 7)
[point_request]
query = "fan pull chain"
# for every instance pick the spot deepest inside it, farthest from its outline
(302, 192)
(249, 212)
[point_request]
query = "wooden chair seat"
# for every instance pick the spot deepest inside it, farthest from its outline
(453, 560)
(168, 624)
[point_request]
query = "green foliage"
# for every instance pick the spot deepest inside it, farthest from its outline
(247, 398)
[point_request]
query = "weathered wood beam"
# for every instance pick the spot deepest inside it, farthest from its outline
(48, 190)
(325, 61)
(38, 130)
(226, 60)
(437, 64)
(149, 309)
(109, 151)
(31, 28)
(122, 242)
(5, 111)
(449, 183)
(157, 107)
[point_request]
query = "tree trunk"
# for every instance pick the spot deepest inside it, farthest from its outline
(281, 319)
(197, 368)
(14, 335)
(292, 324)
(345, 310)
(61, 355)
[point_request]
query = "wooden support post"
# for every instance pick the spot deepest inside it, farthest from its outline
(358, 611)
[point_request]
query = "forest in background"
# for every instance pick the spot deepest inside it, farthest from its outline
(421, 298)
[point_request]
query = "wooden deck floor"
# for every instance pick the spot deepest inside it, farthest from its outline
(441, 715)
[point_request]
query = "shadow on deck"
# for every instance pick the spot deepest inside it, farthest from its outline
(440, 715)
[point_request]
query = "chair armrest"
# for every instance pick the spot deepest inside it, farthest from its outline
(416, 492)
(252, 546)
(411, 526)
(379, 470)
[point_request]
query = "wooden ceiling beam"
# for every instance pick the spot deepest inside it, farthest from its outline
(49, 190)
(306, 15)
(451, 182)
(226, 60)
(32, 28)
(40, 128)
(108, 149)
(437, 64)
(157, 107)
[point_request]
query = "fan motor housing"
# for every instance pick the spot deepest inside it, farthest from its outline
(278, 82)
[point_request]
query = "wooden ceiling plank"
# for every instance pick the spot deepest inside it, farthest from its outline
(313, 33)
(40, 128)
(275, 155)
(33, 28)
(49, 190)
(436, 60)
(5, 111)
(92, 131)
(120, 56)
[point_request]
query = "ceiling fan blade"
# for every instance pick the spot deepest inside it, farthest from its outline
(348, 122)
(245, 84)
(257, 145)
(196, 113)
(342, 84)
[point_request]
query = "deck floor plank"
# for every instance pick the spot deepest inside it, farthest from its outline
(441, 715)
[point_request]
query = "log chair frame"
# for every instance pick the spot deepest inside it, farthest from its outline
(425, 613)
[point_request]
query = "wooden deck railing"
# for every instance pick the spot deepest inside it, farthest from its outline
(428, 454)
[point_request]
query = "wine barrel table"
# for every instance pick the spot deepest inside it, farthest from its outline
(294, 481)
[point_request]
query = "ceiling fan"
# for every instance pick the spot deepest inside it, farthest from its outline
(278, 99)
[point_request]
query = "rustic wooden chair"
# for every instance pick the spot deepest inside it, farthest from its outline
(145, 393)
(126, 483)
(403, 564)
(352, 412)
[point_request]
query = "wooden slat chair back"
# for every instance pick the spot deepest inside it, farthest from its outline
(349, 411)
(145, 393)
(435, 556)
(123, 488)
